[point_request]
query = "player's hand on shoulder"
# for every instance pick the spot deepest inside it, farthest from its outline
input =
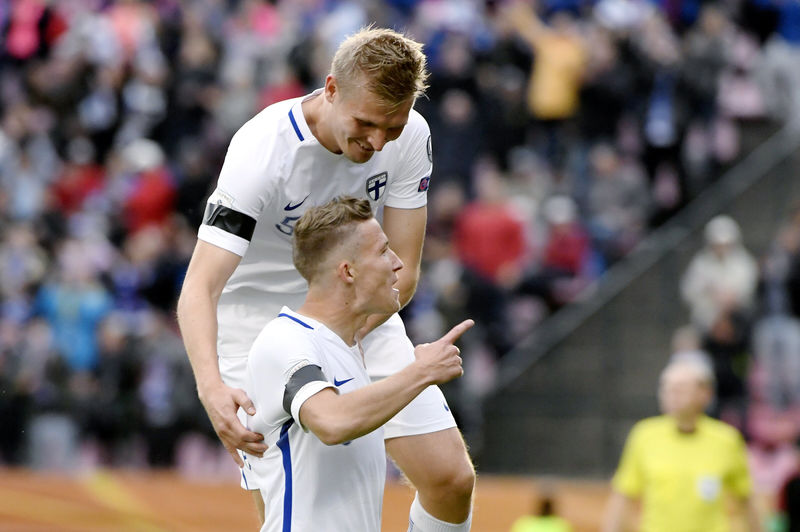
(441, 359)
(221, 403)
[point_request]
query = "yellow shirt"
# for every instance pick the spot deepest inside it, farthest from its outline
(553, 90)
(550, 523)
(682, 479)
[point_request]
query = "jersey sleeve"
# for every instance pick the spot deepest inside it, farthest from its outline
(299, 356)
(277, 355)
(243, 188)
(309, 390)
(409, 189)
(738, 480)
(629, 478)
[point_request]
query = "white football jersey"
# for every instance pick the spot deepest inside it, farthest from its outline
(274, 170)
(307, 485)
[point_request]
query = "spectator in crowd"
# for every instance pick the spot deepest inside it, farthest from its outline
(608, 84)
(149, 198)
(722, 277)
(17, 381)
(779, 74)
(707, 50)
(74, 304)
(165, 392)
(24, 265)
(566, 264)
(776, 344)
(682, 465)
(657, 55)
(113, 409)
(489, 234)
(459, 136)
(557, 73)
(728, 344)
(618, 202)
(490, 242)
(706, 54)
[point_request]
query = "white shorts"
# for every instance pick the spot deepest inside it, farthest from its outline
(387, 350)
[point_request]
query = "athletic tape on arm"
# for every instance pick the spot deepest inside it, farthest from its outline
(300, 378)
(230, 221)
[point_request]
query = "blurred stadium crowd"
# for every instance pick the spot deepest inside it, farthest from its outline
(562, 133)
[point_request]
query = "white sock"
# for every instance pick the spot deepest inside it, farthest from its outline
(421, 521)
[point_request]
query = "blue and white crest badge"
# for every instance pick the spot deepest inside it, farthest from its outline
(376, 185)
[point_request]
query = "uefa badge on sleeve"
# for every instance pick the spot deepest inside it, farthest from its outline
(423, 183)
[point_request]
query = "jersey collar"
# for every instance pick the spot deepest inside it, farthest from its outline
(299, 123)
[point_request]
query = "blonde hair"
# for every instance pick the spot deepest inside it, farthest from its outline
(390, 65)
(322, 228)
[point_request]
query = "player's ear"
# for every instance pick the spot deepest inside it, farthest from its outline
(331, 88)
(346, 272)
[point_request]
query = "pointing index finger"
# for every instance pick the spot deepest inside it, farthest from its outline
(456, 332)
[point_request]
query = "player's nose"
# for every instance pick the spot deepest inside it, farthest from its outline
(377, 140)
(397, 264)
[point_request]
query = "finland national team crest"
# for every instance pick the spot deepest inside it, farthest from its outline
(376, 185)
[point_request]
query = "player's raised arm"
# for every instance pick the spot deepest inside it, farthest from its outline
(338, 418)
(209, 270)
(522, 18)
(405, 229)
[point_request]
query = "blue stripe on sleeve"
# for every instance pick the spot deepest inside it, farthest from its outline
(294, 125)
(286, 452)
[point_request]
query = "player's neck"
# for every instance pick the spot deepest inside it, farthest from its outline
(335, 316)
(315, 113)
(686, 424)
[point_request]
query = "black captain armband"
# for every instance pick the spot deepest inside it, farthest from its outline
(230, 221)
(300, 378)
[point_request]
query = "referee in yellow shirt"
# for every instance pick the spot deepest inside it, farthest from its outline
(683, 466)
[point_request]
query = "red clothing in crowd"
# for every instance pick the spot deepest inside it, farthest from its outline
(151, 201)
(489, 236)
(32, 24)
(567, 249)
(76, 184)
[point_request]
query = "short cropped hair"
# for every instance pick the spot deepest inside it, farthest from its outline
(322, 228)
(391, 66)
(700, 369)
